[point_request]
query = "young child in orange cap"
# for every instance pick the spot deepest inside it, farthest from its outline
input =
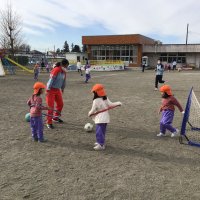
(167, 108)
(101, 103)
(35, 103)
(36, 71)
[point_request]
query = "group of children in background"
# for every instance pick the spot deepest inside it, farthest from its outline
(101, 105)
(79, 66)
(37, 68)
(86, 69)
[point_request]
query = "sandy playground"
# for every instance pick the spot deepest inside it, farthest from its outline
(135, 165)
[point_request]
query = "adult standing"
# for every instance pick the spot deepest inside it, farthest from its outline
(159, 74)
(143, 65)
(42, 65)
(174, 65)
(55, 89)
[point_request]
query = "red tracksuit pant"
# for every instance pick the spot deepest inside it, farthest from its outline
(54, 96)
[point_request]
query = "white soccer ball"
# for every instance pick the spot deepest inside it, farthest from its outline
(179, 69)
(88, 127)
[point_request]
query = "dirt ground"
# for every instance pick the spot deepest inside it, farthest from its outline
(135, 165)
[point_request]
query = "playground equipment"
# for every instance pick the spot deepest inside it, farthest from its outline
(21, 66)
(7, 65)
(2, 72)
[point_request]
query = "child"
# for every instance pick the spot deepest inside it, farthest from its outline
(169, 67)
(47, 67)
(36, 71)
(87, 73)
(159, 74)
(79, 67)
(101, 102)
(167, 108)
(35, 103)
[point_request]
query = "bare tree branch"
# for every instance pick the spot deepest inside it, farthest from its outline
(10, 29)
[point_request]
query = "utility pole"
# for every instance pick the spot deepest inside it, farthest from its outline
(54, 53)
(187, 34)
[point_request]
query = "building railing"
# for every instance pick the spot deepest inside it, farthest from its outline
(190, 48)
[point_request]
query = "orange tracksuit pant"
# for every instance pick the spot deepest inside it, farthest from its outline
(54, 95)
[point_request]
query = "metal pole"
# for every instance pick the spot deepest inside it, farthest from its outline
(187, 35)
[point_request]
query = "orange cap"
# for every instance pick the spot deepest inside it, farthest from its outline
(166, 89)
(99, 89)
(37, 86)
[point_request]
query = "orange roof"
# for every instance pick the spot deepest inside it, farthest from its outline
(117, 39)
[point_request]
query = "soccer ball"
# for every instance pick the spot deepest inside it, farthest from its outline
(88, 127)
(179, 69)
(27, 117)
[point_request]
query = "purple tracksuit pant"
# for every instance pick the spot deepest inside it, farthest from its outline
(37, 128)
(87, 77)
(101, 133)
(36, 73)
(166, 121)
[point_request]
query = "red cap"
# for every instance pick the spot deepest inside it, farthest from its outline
(37, 86)
(166, 89)
(99, 89)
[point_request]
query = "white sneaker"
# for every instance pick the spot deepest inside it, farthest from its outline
(160, 134)
(96, 143)
(156, 89)
(175, 133)
(99, 147)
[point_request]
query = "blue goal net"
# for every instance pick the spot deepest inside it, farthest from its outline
(190, 129)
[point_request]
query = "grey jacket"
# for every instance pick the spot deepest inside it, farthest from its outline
(159, 69)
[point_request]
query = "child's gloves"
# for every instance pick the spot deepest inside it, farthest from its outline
(183, 112)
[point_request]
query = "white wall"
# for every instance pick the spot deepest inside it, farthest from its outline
(73, 56)
(193, 59)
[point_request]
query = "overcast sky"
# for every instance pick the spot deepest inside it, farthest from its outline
(51, 22)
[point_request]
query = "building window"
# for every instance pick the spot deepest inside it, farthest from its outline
(170, 57)
(115, 52)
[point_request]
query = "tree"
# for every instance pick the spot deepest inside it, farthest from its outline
(84, 48)
(11, 29)
(66, 47)
(76, 48)
(25, 48)
(58, 51)
(72, 46)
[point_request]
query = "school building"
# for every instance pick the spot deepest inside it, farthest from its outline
(132, 49)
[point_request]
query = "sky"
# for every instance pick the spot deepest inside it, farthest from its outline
(47, 24)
